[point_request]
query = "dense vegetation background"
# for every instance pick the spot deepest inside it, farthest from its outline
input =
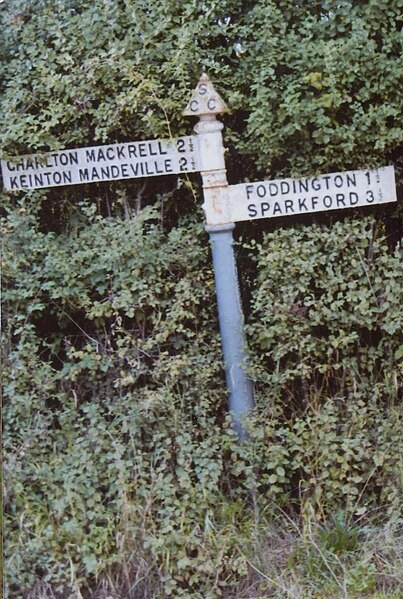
(121, 475)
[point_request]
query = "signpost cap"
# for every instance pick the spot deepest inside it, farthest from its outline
(205, 100)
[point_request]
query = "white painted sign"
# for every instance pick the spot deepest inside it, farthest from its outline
(287, 197)
(102, 163)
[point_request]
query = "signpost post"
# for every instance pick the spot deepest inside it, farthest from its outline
(206, 104)
(223, 205)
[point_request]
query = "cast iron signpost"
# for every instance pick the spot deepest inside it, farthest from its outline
(223, 205)
(102, 163)
(206, 104)
(287, 197)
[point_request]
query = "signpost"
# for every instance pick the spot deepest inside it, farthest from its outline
(206, 104)
(102, 163)
(223, 205)
(288, 197)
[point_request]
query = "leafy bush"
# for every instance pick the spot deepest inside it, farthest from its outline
(326, 314)
(122, 475)
(115, 429)
(313, 86)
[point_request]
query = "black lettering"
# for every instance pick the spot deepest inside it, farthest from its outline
(211, 104)
(301, 204)
(94, 173)
(180, 145)
(142, 150)
(67, 177)
(183, 163)
(38, 180)
(289, 204)
(275, 192)
(115, 172)
(303, 185)
(135, 168)
(121, 153)
(370, 196)
(168, 165)
(316, 184)
(249, 192)
(261, 191)
(23, 181)
(340, 199)
(326, 178)
(338, 181)
(124, 170)
(105, 172)
(10, 166)
(13, 183)
(252, 210)
(194, 105)
(150, 150)
(264, 207)
(327, 200)
(64, 159)
(90, 155)
(351, 179)
(202, 89)
(285, 187)
(314, 202)
(83, 174)
(161, 151)
(57, 178)
(351, 196)
(277, 208)
(132, 150)
(110, 153)
(55, 159)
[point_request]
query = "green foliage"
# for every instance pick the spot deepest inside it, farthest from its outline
(122, 477)
(313, 86)
(322, 77)
(115, 430)
(94, 426)
(327, 310)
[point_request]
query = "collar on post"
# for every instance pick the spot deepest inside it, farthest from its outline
(205, 100)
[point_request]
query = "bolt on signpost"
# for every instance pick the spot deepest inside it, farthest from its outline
(206, 104)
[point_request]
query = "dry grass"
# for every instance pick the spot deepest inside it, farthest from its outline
(285, 559)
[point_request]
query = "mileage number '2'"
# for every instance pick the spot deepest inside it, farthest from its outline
(181, 147)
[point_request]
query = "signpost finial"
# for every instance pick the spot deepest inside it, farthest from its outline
(205, 100)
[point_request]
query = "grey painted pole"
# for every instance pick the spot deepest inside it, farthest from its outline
(231, 325)
(206, 104)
